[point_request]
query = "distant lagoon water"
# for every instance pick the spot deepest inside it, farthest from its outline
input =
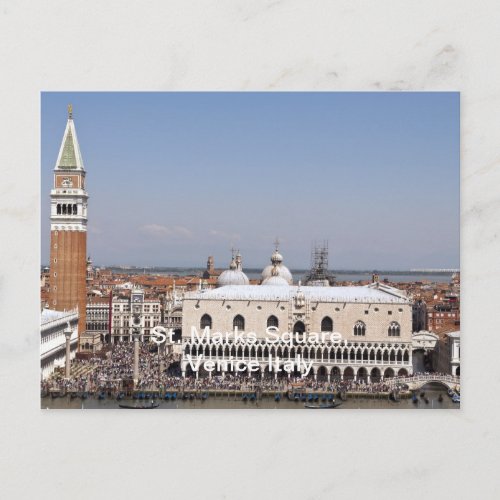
(299, 274)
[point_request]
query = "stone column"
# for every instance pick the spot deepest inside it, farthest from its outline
(67, 333)
(136, 336)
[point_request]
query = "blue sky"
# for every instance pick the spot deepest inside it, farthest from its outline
(175, 177)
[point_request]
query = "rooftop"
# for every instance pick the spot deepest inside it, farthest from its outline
(381, 294)
(50, 315)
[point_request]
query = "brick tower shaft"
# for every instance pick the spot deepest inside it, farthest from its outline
(68, 225)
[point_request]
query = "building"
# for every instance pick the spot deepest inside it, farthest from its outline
(449, 353)
(98, 314)
(375, 322)
(68, 228)
(444, 316)
(419, 315)
(53, 339)
(122, 310)
(210, 271)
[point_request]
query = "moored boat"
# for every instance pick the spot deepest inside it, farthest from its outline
(327, 406)
(140, 407)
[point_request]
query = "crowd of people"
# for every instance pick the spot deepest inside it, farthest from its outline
(161, 371)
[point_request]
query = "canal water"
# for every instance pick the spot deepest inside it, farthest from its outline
(432, 392)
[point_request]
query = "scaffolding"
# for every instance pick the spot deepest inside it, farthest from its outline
(319, 274)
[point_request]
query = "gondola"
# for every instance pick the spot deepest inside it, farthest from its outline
(328, 406)
(151, 406)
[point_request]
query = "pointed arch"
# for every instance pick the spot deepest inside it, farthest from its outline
(394, 329)
(327, 324)
(206, 321)
(359, 329)
(272, 321)
(239, 322)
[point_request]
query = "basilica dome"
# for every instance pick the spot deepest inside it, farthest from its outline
(277, 269)
(275, 281)
(234, 275)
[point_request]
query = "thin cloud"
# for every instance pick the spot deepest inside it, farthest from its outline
(223, 235)
(160, 231)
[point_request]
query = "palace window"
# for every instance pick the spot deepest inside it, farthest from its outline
(394, 329)
(272, 321)
(327, 324)
(239, 322)
(359, 329)
(206, 320)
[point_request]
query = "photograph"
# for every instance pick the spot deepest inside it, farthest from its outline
(250, 250)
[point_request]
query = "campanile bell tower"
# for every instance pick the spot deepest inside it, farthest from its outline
(68, 228)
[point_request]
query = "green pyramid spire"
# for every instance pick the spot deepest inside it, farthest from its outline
(69, 154)
(68, 157)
